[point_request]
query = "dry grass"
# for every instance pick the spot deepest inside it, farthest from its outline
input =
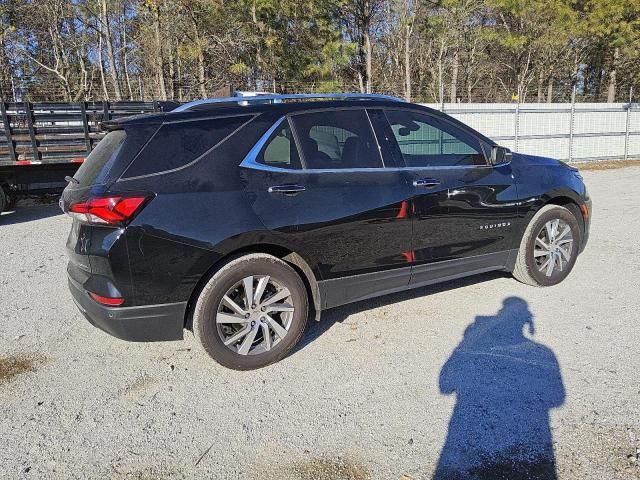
(607, 164)
(329, 469)
(13, 365)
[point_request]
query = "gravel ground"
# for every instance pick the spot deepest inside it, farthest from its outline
(388, 388)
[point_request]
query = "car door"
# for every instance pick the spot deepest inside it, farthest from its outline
(319, 183)
(464, 210)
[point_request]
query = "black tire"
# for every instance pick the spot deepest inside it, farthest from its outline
(526, 269)
(11, 201)
(4, 200)
(207, 331)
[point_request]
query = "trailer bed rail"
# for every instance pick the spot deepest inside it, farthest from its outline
(51, 133)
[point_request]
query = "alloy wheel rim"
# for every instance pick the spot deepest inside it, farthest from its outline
(254, 315)
(553, 247)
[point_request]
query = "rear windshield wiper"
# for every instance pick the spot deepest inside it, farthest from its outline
(71, 179)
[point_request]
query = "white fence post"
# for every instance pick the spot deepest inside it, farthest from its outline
(628, 124)
(571, 122)
(516, 126)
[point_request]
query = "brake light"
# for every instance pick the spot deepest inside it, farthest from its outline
(107, 210)
(108, 301)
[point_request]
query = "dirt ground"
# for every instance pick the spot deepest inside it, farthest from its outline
(471, 375)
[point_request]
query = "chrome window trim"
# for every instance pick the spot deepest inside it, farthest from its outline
(250, 160)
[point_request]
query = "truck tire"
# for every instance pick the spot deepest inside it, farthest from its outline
(4, 200)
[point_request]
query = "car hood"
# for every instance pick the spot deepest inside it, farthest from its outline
(525, 159)
(535, 160)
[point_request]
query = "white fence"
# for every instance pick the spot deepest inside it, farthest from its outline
(574, 132)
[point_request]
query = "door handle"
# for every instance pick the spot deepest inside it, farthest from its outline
(426, 182)
(287, 189)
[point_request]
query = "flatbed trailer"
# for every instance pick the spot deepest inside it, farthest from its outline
(42, 143)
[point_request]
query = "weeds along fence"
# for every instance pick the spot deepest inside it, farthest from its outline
(575, 132)
(41, 133)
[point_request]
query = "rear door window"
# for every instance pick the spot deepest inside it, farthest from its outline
(176, 145)
(337, 139)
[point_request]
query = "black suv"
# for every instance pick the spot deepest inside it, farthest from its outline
(240, 218)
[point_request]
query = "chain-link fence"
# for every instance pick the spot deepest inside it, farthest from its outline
(569, 131)
(142, 89)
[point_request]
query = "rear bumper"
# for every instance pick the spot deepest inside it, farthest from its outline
(147, 323)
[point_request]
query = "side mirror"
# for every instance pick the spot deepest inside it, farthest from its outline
(500, 155)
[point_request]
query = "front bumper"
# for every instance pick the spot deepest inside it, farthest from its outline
(147, 323)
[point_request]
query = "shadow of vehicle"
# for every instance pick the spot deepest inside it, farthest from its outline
(505, 384)
(28, 211)
(337, 315)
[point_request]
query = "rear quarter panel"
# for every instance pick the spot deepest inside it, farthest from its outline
(198, 216)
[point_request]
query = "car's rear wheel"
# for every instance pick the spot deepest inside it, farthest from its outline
(549, 247)
(251, 312)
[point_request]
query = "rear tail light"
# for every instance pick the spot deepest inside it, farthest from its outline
(114, 210)
(108, 301)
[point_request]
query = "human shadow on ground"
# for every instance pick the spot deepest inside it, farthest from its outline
(505, 385)
(339, 314)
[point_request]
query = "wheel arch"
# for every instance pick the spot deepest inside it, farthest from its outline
(571, 200)
(563, 197)
(294, 259)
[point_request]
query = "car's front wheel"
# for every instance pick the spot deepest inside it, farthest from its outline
(251, 312)
(549, 247)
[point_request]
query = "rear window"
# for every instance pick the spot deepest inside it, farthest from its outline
(176, 145)
(106, 149)
(281, 150)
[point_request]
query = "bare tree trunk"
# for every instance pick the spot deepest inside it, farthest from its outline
(368, 54)
(179, 72)
(202, 81)
(171, 72)
(125, 51)
(550, 90)
(5, 73)
(407, 63)
(454, 78)
(611, 95)
(258, 66)
(540, 80)
(101, 67)
(106, 31)
(440, 72)
(159, 56)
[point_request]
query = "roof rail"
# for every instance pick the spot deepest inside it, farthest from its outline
(269, 99)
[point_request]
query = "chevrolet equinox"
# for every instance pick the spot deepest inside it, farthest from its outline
(240, 218)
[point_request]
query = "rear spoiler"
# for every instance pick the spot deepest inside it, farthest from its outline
(119, 123)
